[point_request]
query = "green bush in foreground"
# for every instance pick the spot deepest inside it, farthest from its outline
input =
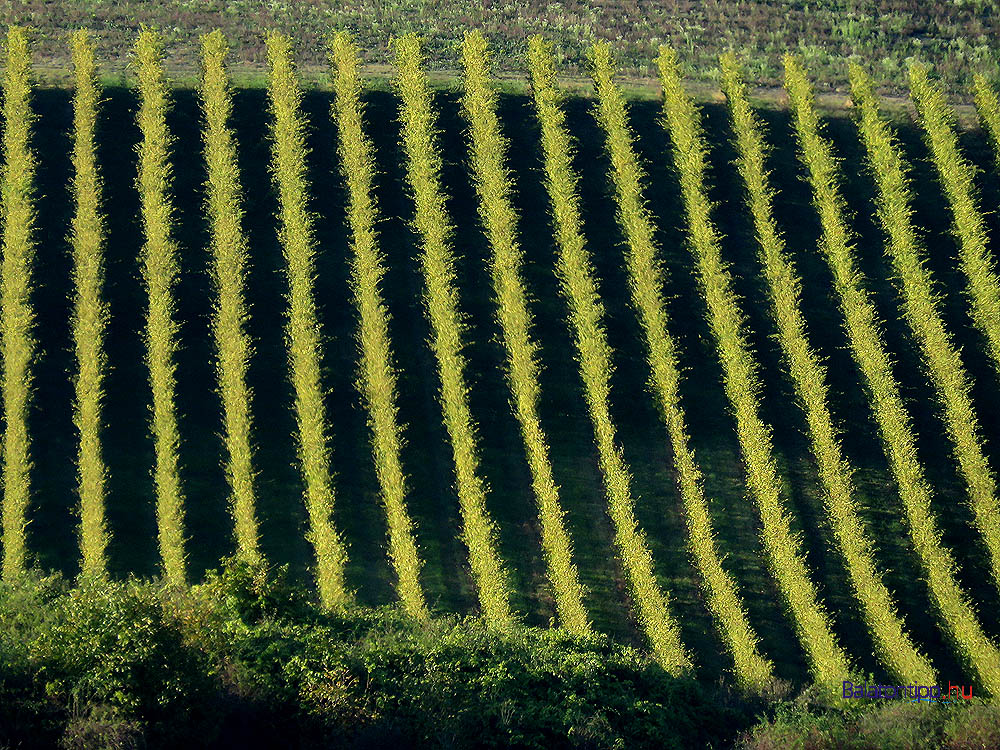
(244, 660)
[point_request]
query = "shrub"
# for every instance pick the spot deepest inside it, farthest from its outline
(803, 723)
(244, 659)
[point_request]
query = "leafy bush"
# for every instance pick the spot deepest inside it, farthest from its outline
(246, 659)
(808, 723)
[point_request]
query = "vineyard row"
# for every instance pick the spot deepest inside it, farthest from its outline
(377, 376)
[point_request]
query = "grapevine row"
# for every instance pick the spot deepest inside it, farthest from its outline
(742, 384)
(160, 268)
(89, 311)
(493, 183)
(579, 288)
(872, 359)
(17, 342)
(988, 106)
(377, 378)
(920, 308)
(957, 177)
(808, 376)
(288, 166)
(645, 274)
(229, 261)
(423, 167)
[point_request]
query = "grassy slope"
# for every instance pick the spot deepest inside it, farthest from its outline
(426, 456)
(954, 36)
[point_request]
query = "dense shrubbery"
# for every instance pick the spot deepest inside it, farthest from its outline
(245, 660)
(808, 723)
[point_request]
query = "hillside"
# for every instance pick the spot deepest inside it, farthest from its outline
(956, 36)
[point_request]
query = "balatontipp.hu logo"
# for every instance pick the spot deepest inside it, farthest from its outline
(916, 693)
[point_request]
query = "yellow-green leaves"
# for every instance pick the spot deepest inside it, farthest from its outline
(752, 670)
(288, 166)
(988, 106)
(89, 311)
(809, 380)
(957, 177)
(920, 308)
(423, 166)
(16, 316)
(579, 288)
(828, 661)
(377, 379)
(229, 258)
(493, 183)
(160, 268)
(869, 352)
